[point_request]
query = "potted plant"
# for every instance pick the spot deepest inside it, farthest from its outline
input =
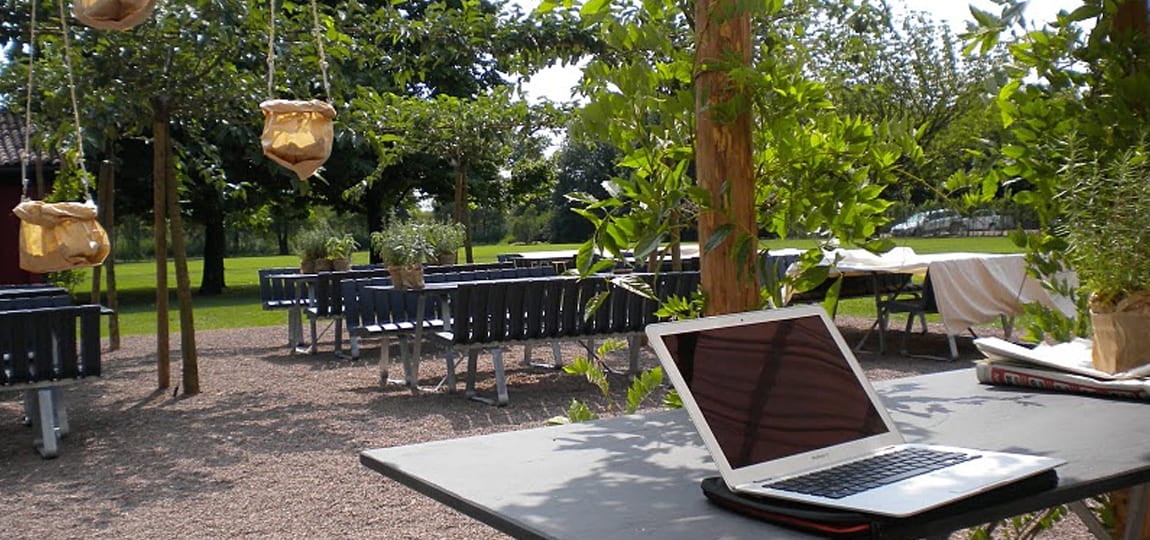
(446, 239)
(1107, 232)
(311, 245)
(340, 247)
(404, 248)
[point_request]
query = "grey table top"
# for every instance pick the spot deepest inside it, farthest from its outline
(638, 476)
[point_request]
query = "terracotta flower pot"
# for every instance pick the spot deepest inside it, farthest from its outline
(341, 265)
(307, 266)
(323, 265)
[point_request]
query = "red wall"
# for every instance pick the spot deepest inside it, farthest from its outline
(10, 271)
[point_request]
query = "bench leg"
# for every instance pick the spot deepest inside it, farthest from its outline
(44, 420)
(634, 344)
(500, 378)
(313, 345)
(384, 358)
(450, 379)
(557, 354)
(472, 367)
(339, 338)
(410, 365)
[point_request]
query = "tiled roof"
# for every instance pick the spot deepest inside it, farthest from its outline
(11, 138)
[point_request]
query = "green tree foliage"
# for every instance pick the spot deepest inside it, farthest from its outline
(583, 167)
(818, 169)
(906, 75)
(1078, 94)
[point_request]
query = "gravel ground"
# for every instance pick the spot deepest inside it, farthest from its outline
(269, 448)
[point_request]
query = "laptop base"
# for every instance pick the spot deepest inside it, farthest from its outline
(846, 524)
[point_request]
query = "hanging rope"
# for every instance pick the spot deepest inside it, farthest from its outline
(315, 30)
(25, 156)
(75, 104)
(272, 50)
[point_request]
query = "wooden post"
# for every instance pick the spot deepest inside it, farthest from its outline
(105, 187)
(161, 153)
(190, 365)
(723, 154)
(1133, 16)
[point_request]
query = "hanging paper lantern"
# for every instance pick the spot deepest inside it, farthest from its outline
(60, 236)
(112, 14)
(298, 134)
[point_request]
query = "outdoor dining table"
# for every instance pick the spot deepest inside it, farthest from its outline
(441, 290)
(304, 295)
(637, 476)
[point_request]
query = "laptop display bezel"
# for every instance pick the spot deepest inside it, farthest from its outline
(781, 467)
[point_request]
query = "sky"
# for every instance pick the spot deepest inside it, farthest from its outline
(556, 83)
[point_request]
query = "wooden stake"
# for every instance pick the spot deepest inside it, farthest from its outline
(723, 154)
(190, 365)
(161, 153)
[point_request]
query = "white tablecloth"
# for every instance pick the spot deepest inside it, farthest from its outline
(969, 288)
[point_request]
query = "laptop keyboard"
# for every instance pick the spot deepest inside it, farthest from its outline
(858, 476)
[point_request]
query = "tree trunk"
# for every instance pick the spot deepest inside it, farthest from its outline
(215, 235)
(281, 228)
(723, 156)
(191, 371)
(461, 214)
(161, 153)
(1132, 17)
(374, 216)
(105, 189)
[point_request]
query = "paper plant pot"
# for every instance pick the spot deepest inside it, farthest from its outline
(112, 14)
(1121, 340)
(60, 236)
(406, 276)
(307, 266)
(298, 134)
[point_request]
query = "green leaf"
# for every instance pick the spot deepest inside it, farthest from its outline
(718, 236)
(593, 305)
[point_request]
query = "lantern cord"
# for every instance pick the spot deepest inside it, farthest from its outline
(272, 49)
(25, 156)
(316, 32)
(75, 103)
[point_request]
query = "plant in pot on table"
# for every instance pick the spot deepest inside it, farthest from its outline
(404, 248)
(1107, 231)
(340, 248)
(311, 246)
(446, 239)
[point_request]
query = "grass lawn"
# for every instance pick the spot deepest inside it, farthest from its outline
(240, 307)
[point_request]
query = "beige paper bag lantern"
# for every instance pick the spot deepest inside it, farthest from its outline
(112, 14)
(298, 134)
(60, 236)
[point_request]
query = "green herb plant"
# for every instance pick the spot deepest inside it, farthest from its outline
(640, 390)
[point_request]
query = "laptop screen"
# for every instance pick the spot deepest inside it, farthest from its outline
(773, 389)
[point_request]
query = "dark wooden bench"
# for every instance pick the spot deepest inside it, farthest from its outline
(367, 314)
(492, 315)
(325, 301)
(41, 354)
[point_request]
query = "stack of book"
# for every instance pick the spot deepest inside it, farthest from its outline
(1065, 367)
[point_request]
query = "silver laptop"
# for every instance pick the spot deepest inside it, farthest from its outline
(786, 411)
